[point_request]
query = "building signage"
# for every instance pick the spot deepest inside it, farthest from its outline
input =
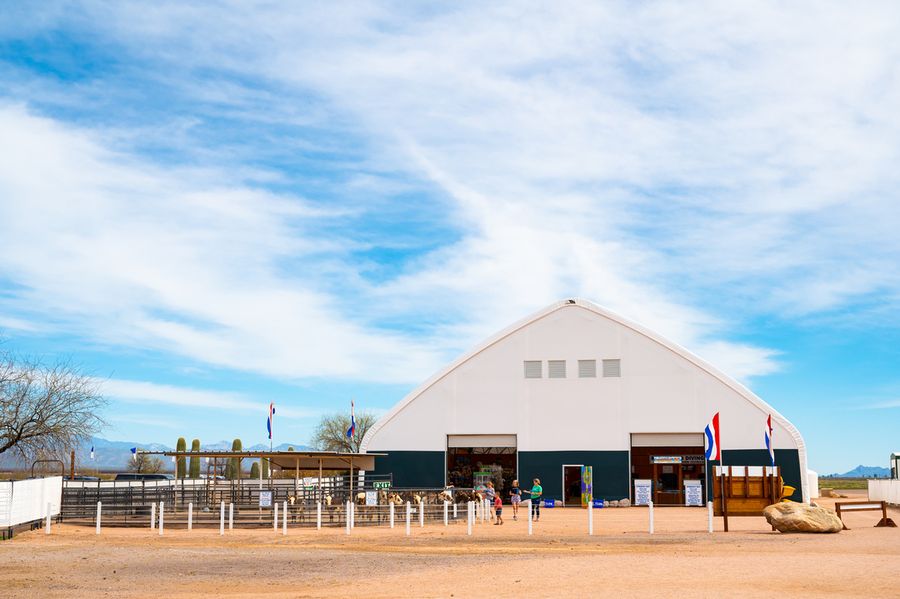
(642, 491)
(265, 499)
(693, 493)
(666, 459)
(371, 497)
(381, 484)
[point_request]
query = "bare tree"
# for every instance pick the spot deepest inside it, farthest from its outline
(145, 464)
(331, 433)
(46, 410)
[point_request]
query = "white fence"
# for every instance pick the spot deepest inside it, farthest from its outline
(885, 490)
(24, 501)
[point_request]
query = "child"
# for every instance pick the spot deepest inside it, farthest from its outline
(489, 494)
(515, 498)
(536, 491)
(498, 508)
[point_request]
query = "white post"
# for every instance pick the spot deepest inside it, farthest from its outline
(152, 515)
(454, 510)
(446, 513)
(530, 519)
(318, 515)
(347, 517)
(408, 510)
(484, 515)
(99, 509)
(421, 514)
(230, 516)
(47, 523)
(275, 516)
(352, 514)
(162, 512)
(222, 518)
(284, 518)
(709, 515)
(391, 511)
(470, 516)
(650, 504)
(191, 516)
(590, 509)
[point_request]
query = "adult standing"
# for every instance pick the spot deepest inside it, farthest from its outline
(536, 492)
(515, 498)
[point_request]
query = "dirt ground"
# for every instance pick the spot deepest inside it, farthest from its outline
(620, 560)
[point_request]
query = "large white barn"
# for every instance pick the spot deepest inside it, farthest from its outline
(573, 385)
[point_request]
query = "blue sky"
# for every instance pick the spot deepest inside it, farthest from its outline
(211, 207)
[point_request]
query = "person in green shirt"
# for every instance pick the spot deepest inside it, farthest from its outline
(536, 491)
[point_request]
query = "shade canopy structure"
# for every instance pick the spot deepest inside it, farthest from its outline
(288, 460)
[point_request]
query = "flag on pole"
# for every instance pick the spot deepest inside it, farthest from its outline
(769, 444)
(352, 430)
(92, 452)
(134, 453)
(271, 420)
(713, 448)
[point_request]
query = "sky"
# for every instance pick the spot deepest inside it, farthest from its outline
(210, 207)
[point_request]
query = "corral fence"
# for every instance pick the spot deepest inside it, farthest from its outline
(26, 503)
(247, 503)
(885, 490)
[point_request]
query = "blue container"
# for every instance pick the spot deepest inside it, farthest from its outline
(598, 503)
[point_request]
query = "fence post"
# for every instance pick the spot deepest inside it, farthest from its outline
(231, 516)
(152, 515)
(47, 523)
(530, 519)
(650, 505)
(99, 509)
(422, 513)
(221, 518)
(590, 509)
(446, 512)
(352, 514)
(318, 515)
(470, 515)
(191, 516)
(454, 509)
(347, 517)
(275, 516)
(408, 510)
(709, 515)
(162, 512)
(284, 518)
(391, 512)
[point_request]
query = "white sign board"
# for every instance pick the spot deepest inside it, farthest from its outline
(642, 490)
(371, 497)
(693, 493)
(265, 499)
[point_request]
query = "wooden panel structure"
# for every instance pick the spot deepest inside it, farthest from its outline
(747, 490)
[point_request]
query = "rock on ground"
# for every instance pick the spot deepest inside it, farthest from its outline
(625, 502)
(798, 517)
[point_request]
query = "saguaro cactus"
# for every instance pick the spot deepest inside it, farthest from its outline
(180, 462)
(234, 465)
(254, 470)
(195, 460)
(265, 467)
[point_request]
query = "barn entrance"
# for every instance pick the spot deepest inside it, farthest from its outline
(572, 485)
(671, 461)
(472, 460)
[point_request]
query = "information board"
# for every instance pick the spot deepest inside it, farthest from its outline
(693, 493)
(642, 491)
(371, 497)
(265, 499)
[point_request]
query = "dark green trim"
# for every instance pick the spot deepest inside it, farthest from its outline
(611, 470)
(424, 469)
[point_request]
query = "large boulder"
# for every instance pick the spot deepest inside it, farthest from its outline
(625, 502)
(798, 517)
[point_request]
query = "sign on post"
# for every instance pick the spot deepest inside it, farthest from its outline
(642, 491)
(693, 493)
(265, 499)
(371, 497)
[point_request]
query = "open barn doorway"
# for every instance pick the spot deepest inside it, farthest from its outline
(671, 461)
(473, 460)
(572, 485)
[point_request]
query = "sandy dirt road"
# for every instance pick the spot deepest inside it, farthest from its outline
(560, 559)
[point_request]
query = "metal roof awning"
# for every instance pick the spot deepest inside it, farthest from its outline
(288, 460)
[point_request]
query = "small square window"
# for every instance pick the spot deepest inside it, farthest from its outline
(612, 367)
(587, 369)
(556, 369)
(533, 369)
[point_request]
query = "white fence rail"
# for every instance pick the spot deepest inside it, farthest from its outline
(885, 490)
(24, 501)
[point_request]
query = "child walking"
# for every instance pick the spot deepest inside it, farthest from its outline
(515, 498)
(498, 509)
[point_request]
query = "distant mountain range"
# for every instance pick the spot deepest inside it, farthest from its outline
(114, 455)
(864, 472)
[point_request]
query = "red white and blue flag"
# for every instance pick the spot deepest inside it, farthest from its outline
(713, 448)
(769, 444)
(352, 430)
(270, 422)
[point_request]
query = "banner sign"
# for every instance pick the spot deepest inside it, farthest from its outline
(666, 459)
(587, 486)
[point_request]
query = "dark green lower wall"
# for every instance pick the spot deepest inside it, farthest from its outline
(424, 469)
(611, 471)
(786, 459)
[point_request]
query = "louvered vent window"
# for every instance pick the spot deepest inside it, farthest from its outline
(587, 369)
(533, 369)
(612, 368)
(556, 369)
